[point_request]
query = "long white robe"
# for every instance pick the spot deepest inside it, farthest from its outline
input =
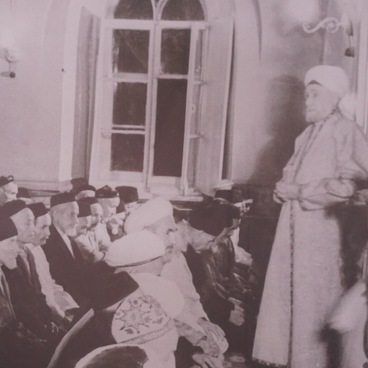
(303, 281)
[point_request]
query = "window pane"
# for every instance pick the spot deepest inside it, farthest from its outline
(134, 9)
(130, 104)
(170, 121)
(183, 10)
(130, 51)
(127, 152)
(175, 46)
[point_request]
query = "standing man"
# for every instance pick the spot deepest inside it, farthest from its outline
(303, 279)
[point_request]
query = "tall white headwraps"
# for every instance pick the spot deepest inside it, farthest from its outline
(134, 249)
(333, 78)
(147, 214)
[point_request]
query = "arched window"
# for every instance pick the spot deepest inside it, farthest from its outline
(152, 89)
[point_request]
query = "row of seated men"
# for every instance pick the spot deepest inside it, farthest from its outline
(98, 269)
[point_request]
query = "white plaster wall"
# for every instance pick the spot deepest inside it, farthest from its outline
(24, 119)
(37, 107)
(267, 95)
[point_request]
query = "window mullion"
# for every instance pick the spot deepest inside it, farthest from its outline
(184, 186)
(99, 107)
(149, 108)
(153, 77)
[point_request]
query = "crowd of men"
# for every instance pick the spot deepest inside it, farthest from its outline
(100, 277)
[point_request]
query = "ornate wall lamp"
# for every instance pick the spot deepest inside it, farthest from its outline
(11, 55)
(332, 25)
(8, 49)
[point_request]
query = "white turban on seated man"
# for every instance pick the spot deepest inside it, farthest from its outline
(145, 317)
(156, 215)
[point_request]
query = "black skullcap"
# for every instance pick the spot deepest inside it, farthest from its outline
(85, 187)
(224, 194)
(115, 356)
(128, 194)
(106, 192)
(7, 229)
(109, 288)
(84, 209)
(6, 180)
(61, 198)
(214, 218)
(9, 209)
(23, 193)
(38, 209)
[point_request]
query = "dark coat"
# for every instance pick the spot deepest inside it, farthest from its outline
(66, 270)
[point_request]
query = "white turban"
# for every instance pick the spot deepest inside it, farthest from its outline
(333, 78)
(147, 214)
(134, 249)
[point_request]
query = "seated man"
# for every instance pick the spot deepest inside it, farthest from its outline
(226, 293)
(59, 301)
(85, 238)
(65, 260)
(29, 303)
(157, 301)
(18, 346)
(116, 224)
(156, 215)
(109, 200)
(130, 197)
(8, 189)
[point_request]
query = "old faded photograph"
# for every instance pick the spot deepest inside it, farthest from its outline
(183, 183)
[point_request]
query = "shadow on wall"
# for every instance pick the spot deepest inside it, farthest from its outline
(285, 122)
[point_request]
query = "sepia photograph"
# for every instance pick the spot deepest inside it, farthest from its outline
(183, 183)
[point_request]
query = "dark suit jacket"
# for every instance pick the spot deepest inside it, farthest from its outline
(66, 270)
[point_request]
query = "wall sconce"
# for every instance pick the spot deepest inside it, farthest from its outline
(332, 25)
(11, 55)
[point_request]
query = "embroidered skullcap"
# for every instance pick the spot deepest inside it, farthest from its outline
(61, 198)
(85, 187)
(6, 180)
(7, 229)
(128, 194)
(120, 355)
(84, 208)
(38, 209)
(23, 193)
(134, 249)
(332, 77)
(106, 192)
(11, 208)
(214, 218)
(147, 214)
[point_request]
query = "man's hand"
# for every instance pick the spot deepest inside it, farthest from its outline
(237, 316)
(285, 191)
(216, 342)
(205, 361)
